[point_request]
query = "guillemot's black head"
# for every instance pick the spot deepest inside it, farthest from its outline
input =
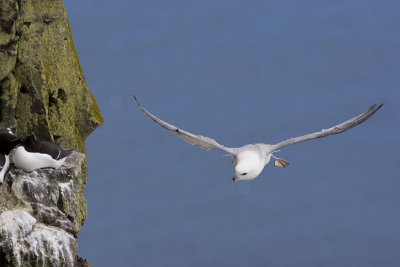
(31, 141)
(8, 142)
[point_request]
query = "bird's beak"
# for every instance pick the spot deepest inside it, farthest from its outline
(234, 179)
(34, 136)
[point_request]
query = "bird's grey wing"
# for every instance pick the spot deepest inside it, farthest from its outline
(197, 140)
(333, 130)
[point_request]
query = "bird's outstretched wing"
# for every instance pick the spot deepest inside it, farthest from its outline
(197, 140)
(333, 130)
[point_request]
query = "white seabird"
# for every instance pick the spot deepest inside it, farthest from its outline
(249, 160)
(7, 143)
(34, 154)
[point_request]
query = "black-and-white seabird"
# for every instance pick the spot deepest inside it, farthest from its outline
(250, 160)
(34, 154)
(7, 143)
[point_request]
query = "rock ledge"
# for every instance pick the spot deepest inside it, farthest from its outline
(41, 218)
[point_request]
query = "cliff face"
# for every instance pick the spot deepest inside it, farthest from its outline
(40, 218)
(42, 89)
(42, 85)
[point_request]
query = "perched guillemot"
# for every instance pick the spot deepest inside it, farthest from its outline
(34, 154)
(7, 143)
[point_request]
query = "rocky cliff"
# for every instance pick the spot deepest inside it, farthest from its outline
(40, 218)
(42, 89)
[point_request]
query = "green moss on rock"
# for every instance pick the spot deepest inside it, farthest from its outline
(49, 92)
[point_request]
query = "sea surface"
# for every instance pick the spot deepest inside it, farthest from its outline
(241, 72)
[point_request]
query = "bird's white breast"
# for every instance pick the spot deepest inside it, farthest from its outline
(30, 161)
(249, 155)
(4, 169)
(254, 156)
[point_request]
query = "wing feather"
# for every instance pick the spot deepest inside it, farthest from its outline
(197, 140)
(333, 130)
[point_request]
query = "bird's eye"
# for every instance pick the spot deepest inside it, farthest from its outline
(244, 173)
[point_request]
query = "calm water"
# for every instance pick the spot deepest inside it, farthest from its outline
(241, 73)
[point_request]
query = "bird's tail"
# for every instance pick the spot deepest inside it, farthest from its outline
(65, 153)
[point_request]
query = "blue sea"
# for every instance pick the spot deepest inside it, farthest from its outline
(241, 72)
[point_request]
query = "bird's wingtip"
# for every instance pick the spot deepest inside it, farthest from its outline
(137, 102)
(374, 107)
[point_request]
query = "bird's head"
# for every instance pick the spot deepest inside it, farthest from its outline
(246, 170)
(8, 142)
(31, 141)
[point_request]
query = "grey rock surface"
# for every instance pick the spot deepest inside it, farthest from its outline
(40, 221)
